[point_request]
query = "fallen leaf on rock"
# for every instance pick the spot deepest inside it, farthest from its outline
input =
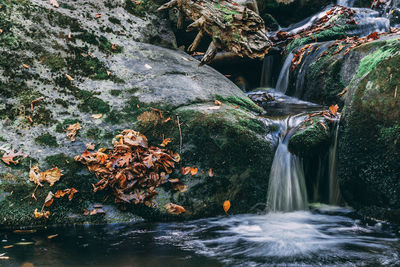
(98, 16)
(54, 3)
(211, 172)
(147, 66)
(323, 125)
(25, 66)
(69, 77)
(193, 171)
(52, 236)
(41, 214)
(214, 108)
(4, 258)
(217, 102)
(8, 157)
(49, 199)
(186, 170)
(227, 205)
(174, 209)
(97, 211)
(70, 192)
(165, 142)
(72, 131)
(51, 176)
(1, 31)
(90, 146)
(334, 109)
(97, 116)
(9, 246)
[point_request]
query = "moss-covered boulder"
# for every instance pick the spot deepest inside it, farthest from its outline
(60, 66)
(369, 144)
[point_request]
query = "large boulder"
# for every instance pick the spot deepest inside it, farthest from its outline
(59, 66)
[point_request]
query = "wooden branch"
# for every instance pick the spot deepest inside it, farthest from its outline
(232, 27)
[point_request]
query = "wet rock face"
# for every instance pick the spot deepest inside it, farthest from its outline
(59, 66)
(369, 138)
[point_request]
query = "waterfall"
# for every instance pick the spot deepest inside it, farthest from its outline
(266, 72)
(287, 189)
(334, 190)
(346, 3)
(283, 80)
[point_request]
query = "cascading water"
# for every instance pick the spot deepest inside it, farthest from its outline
(287, 189)
(334, 191)
(283, 80)
(266, 72)
(346, 3)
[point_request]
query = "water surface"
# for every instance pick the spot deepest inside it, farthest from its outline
(303, 238)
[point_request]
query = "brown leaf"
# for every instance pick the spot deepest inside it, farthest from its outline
(178, 185)
(334, 109)
(69, 77)
(217, 102)
(9, 157)
(72, 131)
(41, 214)
(72, 192)
(97, 211)
(90, 146)
(174, 209)
(98, 16)
(226, 205)
(186, 170)
(165, 142)
(211, 172)
(49, 199)
(25, 66)
(323, 125)
(51, 176)
(97, 116)
(52, 236)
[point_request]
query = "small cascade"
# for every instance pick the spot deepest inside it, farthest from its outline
(334, 190)
(346, 3)
(267, 71)
(287, 189)
(369, 21)
(283, 80)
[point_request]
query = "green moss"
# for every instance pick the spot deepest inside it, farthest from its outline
(46, 140)
(54, 62)
(312, 140)
(242, 102)
(91, 103)
(94, 133)
(369, 62)
(114, 20)
(142, 8)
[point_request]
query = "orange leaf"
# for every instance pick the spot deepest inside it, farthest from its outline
(9, 157)
(227, 205)
(186, 170)
(193, 171)
(165, 142)
(334, 109)
(174, 209)
(219, 103)
(49, 199)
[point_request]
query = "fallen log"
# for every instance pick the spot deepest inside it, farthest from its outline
(232, 27)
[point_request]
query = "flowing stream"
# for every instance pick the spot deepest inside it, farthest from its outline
(290, 232)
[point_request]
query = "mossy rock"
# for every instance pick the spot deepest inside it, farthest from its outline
(369, 150)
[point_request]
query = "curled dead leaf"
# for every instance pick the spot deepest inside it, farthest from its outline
(72, 130)
(186, 170)
(97, 116)
(174, 209)
(165, 142)
(51, 176)
(90, 146)
(69, 77)
(41, 214)
(49, 199)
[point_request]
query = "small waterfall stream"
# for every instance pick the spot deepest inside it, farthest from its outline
(283, 80)
(287, 189)
(334, 190)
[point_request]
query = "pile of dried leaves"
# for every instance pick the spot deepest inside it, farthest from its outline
(131, 170)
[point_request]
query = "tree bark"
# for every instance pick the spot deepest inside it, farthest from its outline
(232, 27)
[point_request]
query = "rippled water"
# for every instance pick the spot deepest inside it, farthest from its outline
(280, 239)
